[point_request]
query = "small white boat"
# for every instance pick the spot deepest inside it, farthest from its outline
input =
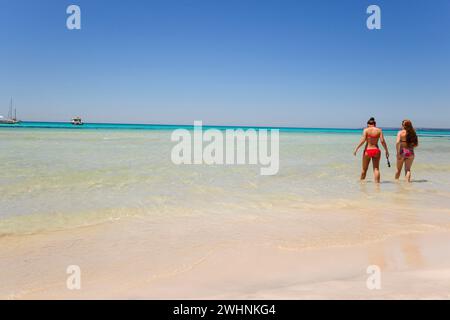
(77, 121)
(12, 119)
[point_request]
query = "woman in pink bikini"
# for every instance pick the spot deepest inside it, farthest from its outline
(371, 136)
(406, 142)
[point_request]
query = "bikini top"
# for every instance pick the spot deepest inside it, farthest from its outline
(407, 145)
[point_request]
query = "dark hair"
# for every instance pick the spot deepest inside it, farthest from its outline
(411, 135)
(372, 122)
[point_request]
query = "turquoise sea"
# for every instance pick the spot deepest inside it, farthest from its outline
(55, 176)
(123, 126)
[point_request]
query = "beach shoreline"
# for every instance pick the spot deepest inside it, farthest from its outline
(126, 260)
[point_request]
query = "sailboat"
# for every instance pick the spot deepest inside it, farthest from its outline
(12, 118)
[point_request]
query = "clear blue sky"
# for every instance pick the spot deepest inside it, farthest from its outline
(238, 62)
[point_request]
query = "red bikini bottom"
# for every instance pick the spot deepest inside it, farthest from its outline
(373, 153)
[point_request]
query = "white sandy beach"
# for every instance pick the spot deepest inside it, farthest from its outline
(132, 260)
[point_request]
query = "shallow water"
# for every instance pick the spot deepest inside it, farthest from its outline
(54, 179)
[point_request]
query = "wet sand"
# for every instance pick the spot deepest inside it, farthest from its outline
(142, 259)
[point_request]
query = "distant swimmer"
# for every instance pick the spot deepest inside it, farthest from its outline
(407, 141)
(371, 136)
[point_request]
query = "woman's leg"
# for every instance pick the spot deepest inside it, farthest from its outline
(376, 169)
(365, 166)
(408, 164)
(399, 167)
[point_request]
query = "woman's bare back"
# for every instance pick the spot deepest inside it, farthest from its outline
(373, 135)
(403, 141)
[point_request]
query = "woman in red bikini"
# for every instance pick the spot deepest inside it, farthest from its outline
(406, 142)
(370, 137)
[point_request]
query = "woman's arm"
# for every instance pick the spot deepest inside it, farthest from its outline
(361, 142)
(384, 144)
(398, 143)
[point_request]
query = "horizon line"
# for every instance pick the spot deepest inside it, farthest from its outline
(226, 126)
